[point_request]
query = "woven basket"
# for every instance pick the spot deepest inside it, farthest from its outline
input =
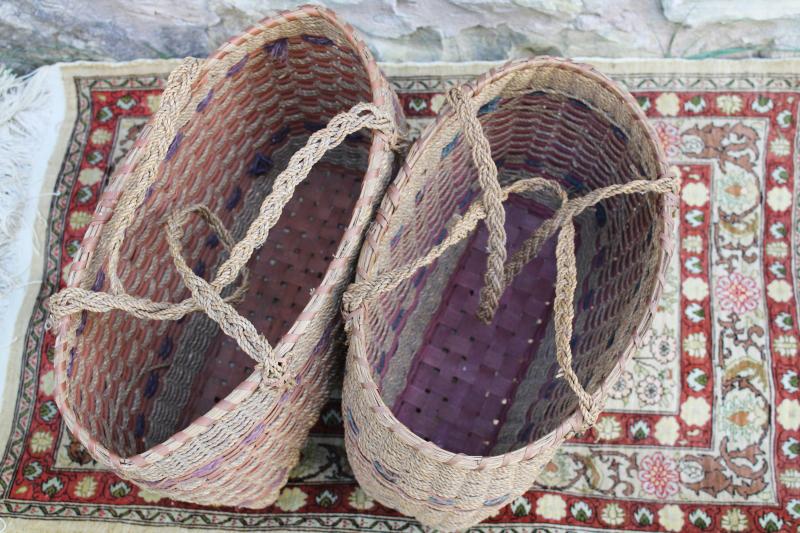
(468, 368)
(205, 391)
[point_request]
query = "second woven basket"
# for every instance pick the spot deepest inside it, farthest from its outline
(477, 348)
(254, 175)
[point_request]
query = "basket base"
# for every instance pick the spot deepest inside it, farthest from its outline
(293, 260)
(464, 377)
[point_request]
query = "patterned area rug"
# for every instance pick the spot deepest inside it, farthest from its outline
(702, 432)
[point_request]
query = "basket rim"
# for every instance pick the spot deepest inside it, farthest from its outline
(225, 57)
(361, 369)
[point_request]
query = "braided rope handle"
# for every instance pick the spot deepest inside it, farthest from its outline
(162, 129)
(248, 338)
(571, 209)
(74, 299)
(360, 292)
(497, 279)
(492, 200)
(219, 310)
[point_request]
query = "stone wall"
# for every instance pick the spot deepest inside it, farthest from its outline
(36, 32)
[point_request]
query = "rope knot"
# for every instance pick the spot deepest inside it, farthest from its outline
(274, 377)
(352, 300)
(349, 303)
(57, 310)
(457, 97)
(590, 414)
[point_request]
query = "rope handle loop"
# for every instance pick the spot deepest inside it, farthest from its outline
(360, 292)
(223, 313)
(499, 275)
(75, 300)
(273, 367)
(492, 200)
(207, 296)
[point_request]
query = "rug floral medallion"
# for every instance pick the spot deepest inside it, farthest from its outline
(702, 432)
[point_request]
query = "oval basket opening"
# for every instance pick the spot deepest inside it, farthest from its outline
(488, 389)
(134, 383)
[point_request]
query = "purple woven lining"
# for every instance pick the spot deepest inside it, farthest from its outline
(464, 377)
(421, 279)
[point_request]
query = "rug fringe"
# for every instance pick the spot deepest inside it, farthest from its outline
(23, 117)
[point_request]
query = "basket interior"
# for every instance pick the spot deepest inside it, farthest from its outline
(135, 382)
(483, 389)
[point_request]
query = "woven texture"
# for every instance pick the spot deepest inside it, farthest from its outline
(468, 379)
(176, 405)
(700, 431)
(450, 418)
